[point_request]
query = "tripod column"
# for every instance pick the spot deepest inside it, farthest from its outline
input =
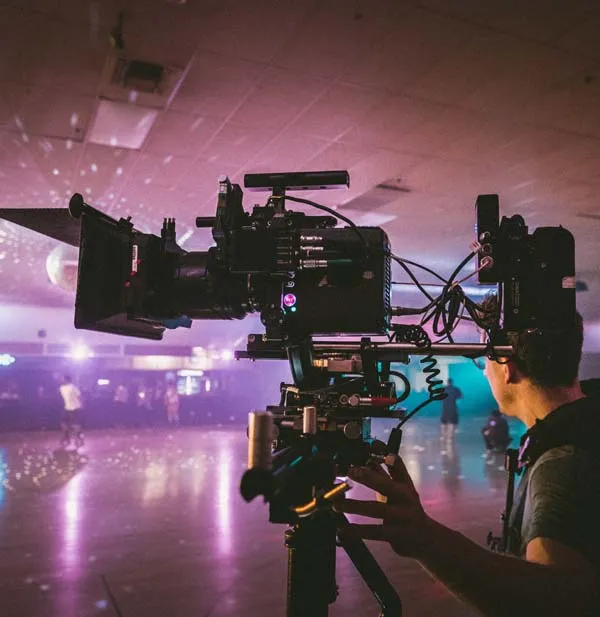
(311, 548)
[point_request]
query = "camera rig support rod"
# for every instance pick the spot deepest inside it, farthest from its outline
(387, 351)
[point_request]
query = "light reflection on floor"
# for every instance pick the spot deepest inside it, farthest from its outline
(159, 515)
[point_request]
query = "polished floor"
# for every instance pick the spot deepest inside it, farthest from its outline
(156, 516)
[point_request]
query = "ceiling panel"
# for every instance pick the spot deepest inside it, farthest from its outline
(311, 48)
(216, 84)
(279, 96)
(397, 115)
(181, 134)
(406, 48)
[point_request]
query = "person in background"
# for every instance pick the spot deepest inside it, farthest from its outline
(120, 405)
(72, 422)
(495, 433)
(172, 404)
(449, 418)
(143, 405)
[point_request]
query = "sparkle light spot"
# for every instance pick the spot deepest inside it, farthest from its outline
(55, 172)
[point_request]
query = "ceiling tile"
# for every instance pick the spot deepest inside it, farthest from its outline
(278, 98)
(583, 37)
(288, 152)
(181, 134)
(236, 144)
(338, 110)
(216, 84)
(204, 181)
(102, 171)
(533, 72)
(339, 156)
(320, 49)
(536, 20)
(15, 153)
(379, 167)
(386, 124)
(252, 30)
(441, 132)
(163, 171)
(412, 45)
(50, 113)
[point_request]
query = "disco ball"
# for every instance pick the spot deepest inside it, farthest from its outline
(61, 266)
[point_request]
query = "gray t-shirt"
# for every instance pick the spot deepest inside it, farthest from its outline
(559, 495)
(562, 501)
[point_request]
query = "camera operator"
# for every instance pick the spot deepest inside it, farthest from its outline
(555, 520)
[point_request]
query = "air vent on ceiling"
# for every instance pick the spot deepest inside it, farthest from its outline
(379, 196)
(144, 83)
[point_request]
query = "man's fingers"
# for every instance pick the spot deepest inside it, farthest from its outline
(399, 472)
(381, 483)
(373, 509)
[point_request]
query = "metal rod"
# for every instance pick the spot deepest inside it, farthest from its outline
(471, 350)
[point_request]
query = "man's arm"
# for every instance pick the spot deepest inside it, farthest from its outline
(554, 581)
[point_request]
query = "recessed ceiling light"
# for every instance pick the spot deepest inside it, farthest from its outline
(121, 125)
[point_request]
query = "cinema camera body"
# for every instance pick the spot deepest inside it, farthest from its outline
(303, 275)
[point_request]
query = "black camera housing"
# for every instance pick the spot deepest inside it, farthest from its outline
(536, 271)
(301, 273)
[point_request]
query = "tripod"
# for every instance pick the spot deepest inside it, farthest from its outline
(311, 585)
(302, 492)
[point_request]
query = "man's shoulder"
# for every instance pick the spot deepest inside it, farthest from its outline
(563, 464)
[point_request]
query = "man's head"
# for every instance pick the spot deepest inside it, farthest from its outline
(67, 379)
(450, 382)
(544, 360)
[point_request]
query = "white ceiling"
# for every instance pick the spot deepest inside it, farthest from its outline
(448, 99)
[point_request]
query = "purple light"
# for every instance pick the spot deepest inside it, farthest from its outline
(289, 300)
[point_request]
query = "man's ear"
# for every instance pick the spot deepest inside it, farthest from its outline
(511, 372)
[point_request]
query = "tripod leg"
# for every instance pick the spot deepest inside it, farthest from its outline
(373, 575)
(311, 566)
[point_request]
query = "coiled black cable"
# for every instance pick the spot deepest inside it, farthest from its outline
(417, 336)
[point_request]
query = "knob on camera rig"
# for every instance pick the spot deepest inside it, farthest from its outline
(309, 279)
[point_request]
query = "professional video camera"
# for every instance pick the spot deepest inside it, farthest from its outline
(301, 274)
(309, 279)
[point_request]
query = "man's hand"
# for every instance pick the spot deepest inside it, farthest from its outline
(404, 522)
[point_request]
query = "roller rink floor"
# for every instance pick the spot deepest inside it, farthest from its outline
(156, 514)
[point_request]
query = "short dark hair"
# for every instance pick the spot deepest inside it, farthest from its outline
(67, 378)
(550, 358)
